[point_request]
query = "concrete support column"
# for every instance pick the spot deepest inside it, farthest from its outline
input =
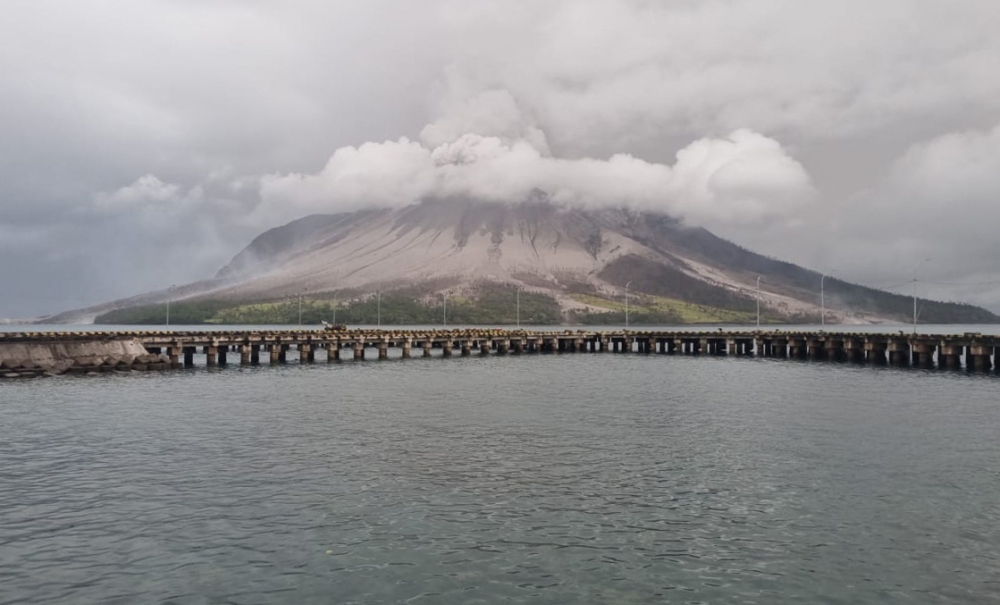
(223, 350)
(853, 350)
(950, 356)
(283, 353)
(814, 349)
(426, 345)
(275, 354)
(875, 351)
(899, 352)
(466, 348)
(834, 350)
(923, 353)
(332, 352)
(189, 357)
(305, 350)
(174, 352)
(604, 344)
(484, 346)
(212, 359)
(503, 347)
(407, 348)
(979, 358)
(518, 344)
(245, 355)
(446, 347)
(359, 349)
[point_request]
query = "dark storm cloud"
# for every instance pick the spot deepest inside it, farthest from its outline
(143, 143)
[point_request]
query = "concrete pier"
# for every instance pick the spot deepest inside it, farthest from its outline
(969, 352)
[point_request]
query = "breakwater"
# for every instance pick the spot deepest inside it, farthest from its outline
(96, 352)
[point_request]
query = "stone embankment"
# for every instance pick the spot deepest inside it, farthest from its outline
(22, 360)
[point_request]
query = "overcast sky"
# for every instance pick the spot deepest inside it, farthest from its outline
(143, 143)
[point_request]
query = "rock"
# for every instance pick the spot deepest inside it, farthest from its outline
(89, 361)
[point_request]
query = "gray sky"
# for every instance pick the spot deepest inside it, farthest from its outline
(143, 143)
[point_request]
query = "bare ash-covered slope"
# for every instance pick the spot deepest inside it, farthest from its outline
(557, 250)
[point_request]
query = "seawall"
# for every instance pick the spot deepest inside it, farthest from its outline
(40, 358)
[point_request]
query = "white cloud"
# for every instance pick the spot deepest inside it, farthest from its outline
(939, 200)
(743, 178)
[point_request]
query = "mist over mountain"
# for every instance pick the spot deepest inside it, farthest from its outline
(582, 259)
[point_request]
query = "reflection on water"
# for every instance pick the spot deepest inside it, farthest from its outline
(538, 479)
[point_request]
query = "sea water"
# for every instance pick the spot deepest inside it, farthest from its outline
(586, 478)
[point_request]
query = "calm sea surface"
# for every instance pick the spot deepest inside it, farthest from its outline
(528, 479)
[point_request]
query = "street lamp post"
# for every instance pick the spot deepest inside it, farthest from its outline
(378, 307)
(822, 300)
(169, 293)
(517, 298)
(758, 302)
(444, 307)
(300, 308)
(629, 283)
(334, 310)
(915, 268)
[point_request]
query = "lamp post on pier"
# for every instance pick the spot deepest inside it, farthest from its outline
(517, 297)
(915, 268)
(627, 284)
(170, 291)
(822, 300)
(758, 301)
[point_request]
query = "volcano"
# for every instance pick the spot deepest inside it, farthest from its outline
(583, 259)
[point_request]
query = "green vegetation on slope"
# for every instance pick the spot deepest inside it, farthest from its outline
(491, 304)
(658, 310)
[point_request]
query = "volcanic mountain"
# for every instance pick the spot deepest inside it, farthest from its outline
(582, 259)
